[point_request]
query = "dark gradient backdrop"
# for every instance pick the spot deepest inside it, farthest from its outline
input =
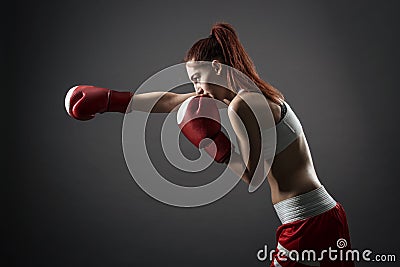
(71, 200)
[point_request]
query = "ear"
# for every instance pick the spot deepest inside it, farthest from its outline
(217, 66)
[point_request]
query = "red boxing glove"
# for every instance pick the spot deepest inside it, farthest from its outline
(198, 118)
(84, 101)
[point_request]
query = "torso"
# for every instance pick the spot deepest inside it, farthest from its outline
(292, 171)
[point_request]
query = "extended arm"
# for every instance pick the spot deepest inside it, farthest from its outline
(83, 102)
(159, 102)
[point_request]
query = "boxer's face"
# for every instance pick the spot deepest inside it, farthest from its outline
(208, 78)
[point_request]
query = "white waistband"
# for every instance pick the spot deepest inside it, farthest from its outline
(304, 206)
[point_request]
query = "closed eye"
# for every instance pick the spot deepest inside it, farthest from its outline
(195, 78)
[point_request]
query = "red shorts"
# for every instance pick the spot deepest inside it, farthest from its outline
(320, 240)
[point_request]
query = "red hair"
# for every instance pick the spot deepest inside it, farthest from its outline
(223, 44)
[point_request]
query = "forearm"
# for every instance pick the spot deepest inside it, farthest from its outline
(237, 165)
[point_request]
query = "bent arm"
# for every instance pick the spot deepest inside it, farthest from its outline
(158, 102)
(249, 164)
(236, 164)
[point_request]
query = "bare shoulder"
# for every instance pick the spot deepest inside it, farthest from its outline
(248, 102)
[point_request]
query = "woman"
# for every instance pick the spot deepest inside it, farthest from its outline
(311, 218)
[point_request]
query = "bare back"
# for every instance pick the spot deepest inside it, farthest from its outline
(292, 171)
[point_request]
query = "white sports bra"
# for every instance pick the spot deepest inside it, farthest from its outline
(287, 129)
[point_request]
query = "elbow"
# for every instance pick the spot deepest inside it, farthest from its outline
(254, 179)
(246, 177)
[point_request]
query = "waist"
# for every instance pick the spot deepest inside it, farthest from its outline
(304, 206)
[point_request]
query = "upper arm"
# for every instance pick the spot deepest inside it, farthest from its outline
(177, 99)
(159, 102)
(248, 115)
(246, 127)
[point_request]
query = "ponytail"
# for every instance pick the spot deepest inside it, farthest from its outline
(223, 44)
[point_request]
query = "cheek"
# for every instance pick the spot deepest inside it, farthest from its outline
(206, 86)
(212, 89)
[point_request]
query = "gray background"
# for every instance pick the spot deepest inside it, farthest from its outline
(71, 199)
